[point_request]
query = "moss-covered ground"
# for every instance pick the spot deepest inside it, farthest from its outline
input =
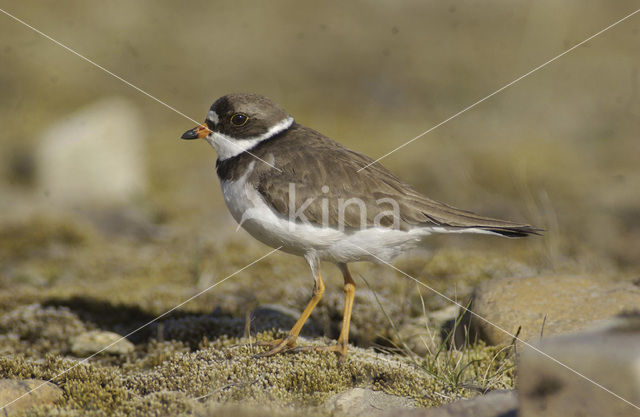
(557, 150)
(61, 276)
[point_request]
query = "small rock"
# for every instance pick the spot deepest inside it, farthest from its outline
(363, 402)
(277, 310)
(423, 335)
(500, 403)
(569, 303)
(419, 335)
(96, 155)
(269, 316)
(445, 314)
(609, 356)
(43, 393)
(94, 341)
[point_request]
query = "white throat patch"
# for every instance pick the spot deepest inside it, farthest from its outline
(227, 147)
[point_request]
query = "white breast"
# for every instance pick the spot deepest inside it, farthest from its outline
(250, 210)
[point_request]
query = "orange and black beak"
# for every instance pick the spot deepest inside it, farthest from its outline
(197, 132)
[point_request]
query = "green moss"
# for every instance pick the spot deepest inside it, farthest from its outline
(169, 378)
(86, 386)
(35, 331)
(197, 360)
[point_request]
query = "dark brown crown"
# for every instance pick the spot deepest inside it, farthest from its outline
(262, 113)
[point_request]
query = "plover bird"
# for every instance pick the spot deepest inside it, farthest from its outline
(295, 189)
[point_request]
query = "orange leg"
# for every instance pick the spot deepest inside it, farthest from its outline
(349, 294)
(343, 340)
(289, 341)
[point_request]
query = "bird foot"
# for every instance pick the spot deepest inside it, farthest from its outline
(277, 346)
(339, 349)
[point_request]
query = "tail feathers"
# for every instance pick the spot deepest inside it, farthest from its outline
(454, 220)
(513, 231)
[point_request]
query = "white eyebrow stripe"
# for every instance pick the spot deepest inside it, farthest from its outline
(213, 117)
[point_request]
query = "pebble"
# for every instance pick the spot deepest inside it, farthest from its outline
(499, 403)
(423, 335)
(38, 392)
(358, 402)
(94, 341)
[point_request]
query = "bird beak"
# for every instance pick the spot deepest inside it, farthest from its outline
(197, 132)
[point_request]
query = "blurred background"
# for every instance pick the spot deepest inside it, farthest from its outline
(99, 196)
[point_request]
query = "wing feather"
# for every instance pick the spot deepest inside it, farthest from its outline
(325, 163)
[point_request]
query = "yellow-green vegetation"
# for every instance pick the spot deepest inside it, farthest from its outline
(555, 149)
(61, 278)
(167, 377)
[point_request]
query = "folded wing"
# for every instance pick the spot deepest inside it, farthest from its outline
(351, 199)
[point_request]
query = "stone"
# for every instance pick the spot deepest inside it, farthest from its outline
(95, 156)
(568, 302)
(279, 312)
(608, 355)
(364, 401)
(36, 393)
(276, 316)
(94, 341)
(500, 403)
(423, 335)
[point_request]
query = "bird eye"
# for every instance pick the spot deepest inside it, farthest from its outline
(239, 119)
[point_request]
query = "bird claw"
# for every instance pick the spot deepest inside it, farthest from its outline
(288, 345)
(277, 346)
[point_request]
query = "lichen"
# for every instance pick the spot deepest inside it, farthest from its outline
(199, 359)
